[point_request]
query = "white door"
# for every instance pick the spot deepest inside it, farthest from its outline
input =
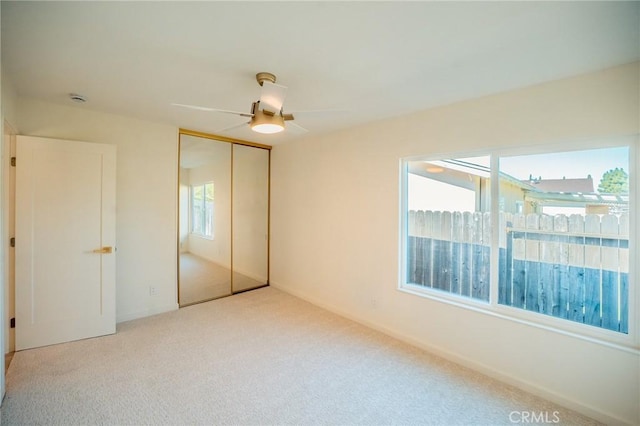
(65, 241)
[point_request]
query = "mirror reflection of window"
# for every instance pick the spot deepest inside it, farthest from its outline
(201, 213)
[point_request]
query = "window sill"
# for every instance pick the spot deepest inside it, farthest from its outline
(204, 237)
(602, 337)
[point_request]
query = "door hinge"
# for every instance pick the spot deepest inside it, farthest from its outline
(13, 161)
(12, 242)
(13, 323)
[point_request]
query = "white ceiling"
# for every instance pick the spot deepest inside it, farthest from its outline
(365, 60)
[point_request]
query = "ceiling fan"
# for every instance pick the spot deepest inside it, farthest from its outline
(266, 114)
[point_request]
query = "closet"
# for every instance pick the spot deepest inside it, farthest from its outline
(223, 232)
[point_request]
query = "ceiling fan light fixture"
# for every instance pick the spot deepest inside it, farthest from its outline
(267, 128)
(266, 124)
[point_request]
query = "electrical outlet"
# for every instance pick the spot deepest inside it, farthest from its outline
(153, 291)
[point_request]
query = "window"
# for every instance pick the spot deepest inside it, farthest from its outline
(202, 210)
(543, 237)
(448, 236)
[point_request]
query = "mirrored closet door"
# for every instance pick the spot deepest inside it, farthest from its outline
(223, 217)
(250, 217)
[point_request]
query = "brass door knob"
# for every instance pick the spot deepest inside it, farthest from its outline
(104, 250)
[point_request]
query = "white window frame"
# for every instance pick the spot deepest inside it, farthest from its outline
(629, 341)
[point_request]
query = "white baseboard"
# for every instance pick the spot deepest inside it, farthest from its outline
(145, 313)
(524, 385)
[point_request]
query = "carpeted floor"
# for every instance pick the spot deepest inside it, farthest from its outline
(258, 358)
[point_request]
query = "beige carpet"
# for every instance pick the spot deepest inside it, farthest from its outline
(258, 358)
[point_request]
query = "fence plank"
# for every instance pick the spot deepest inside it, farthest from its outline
(561, 278)
(546, 268)
(610, 274)
(477, 282)
(532, 265)
(411, 259)
(444, 264)
(485, 268)
(426, 259)
(519, 264)
(505, 261)
(466, 255)
(438, 250)
(411, 266)
(592, 273)
(575, 272)
(456, 237)
(419, 247)
(624, 276)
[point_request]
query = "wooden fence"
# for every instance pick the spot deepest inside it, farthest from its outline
(573, 267)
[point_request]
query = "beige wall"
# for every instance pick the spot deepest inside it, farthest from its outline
(146, 184)
(9, 99)
(335, 238)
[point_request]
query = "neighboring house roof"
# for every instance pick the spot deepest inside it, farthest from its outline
(556, 192)
(582, 185)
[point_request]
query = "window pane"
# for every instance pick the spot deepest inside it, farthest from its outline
(209, 191)
(202, 210)
(196, 209)
(208, 214)
(564, 235)
(449, 232)
(197, 192)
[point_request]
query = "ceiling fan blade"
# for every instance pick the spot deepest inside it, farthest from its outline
(294, 128)
(272, 96)
(224, 111)
(319, 111)
(236, 126)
